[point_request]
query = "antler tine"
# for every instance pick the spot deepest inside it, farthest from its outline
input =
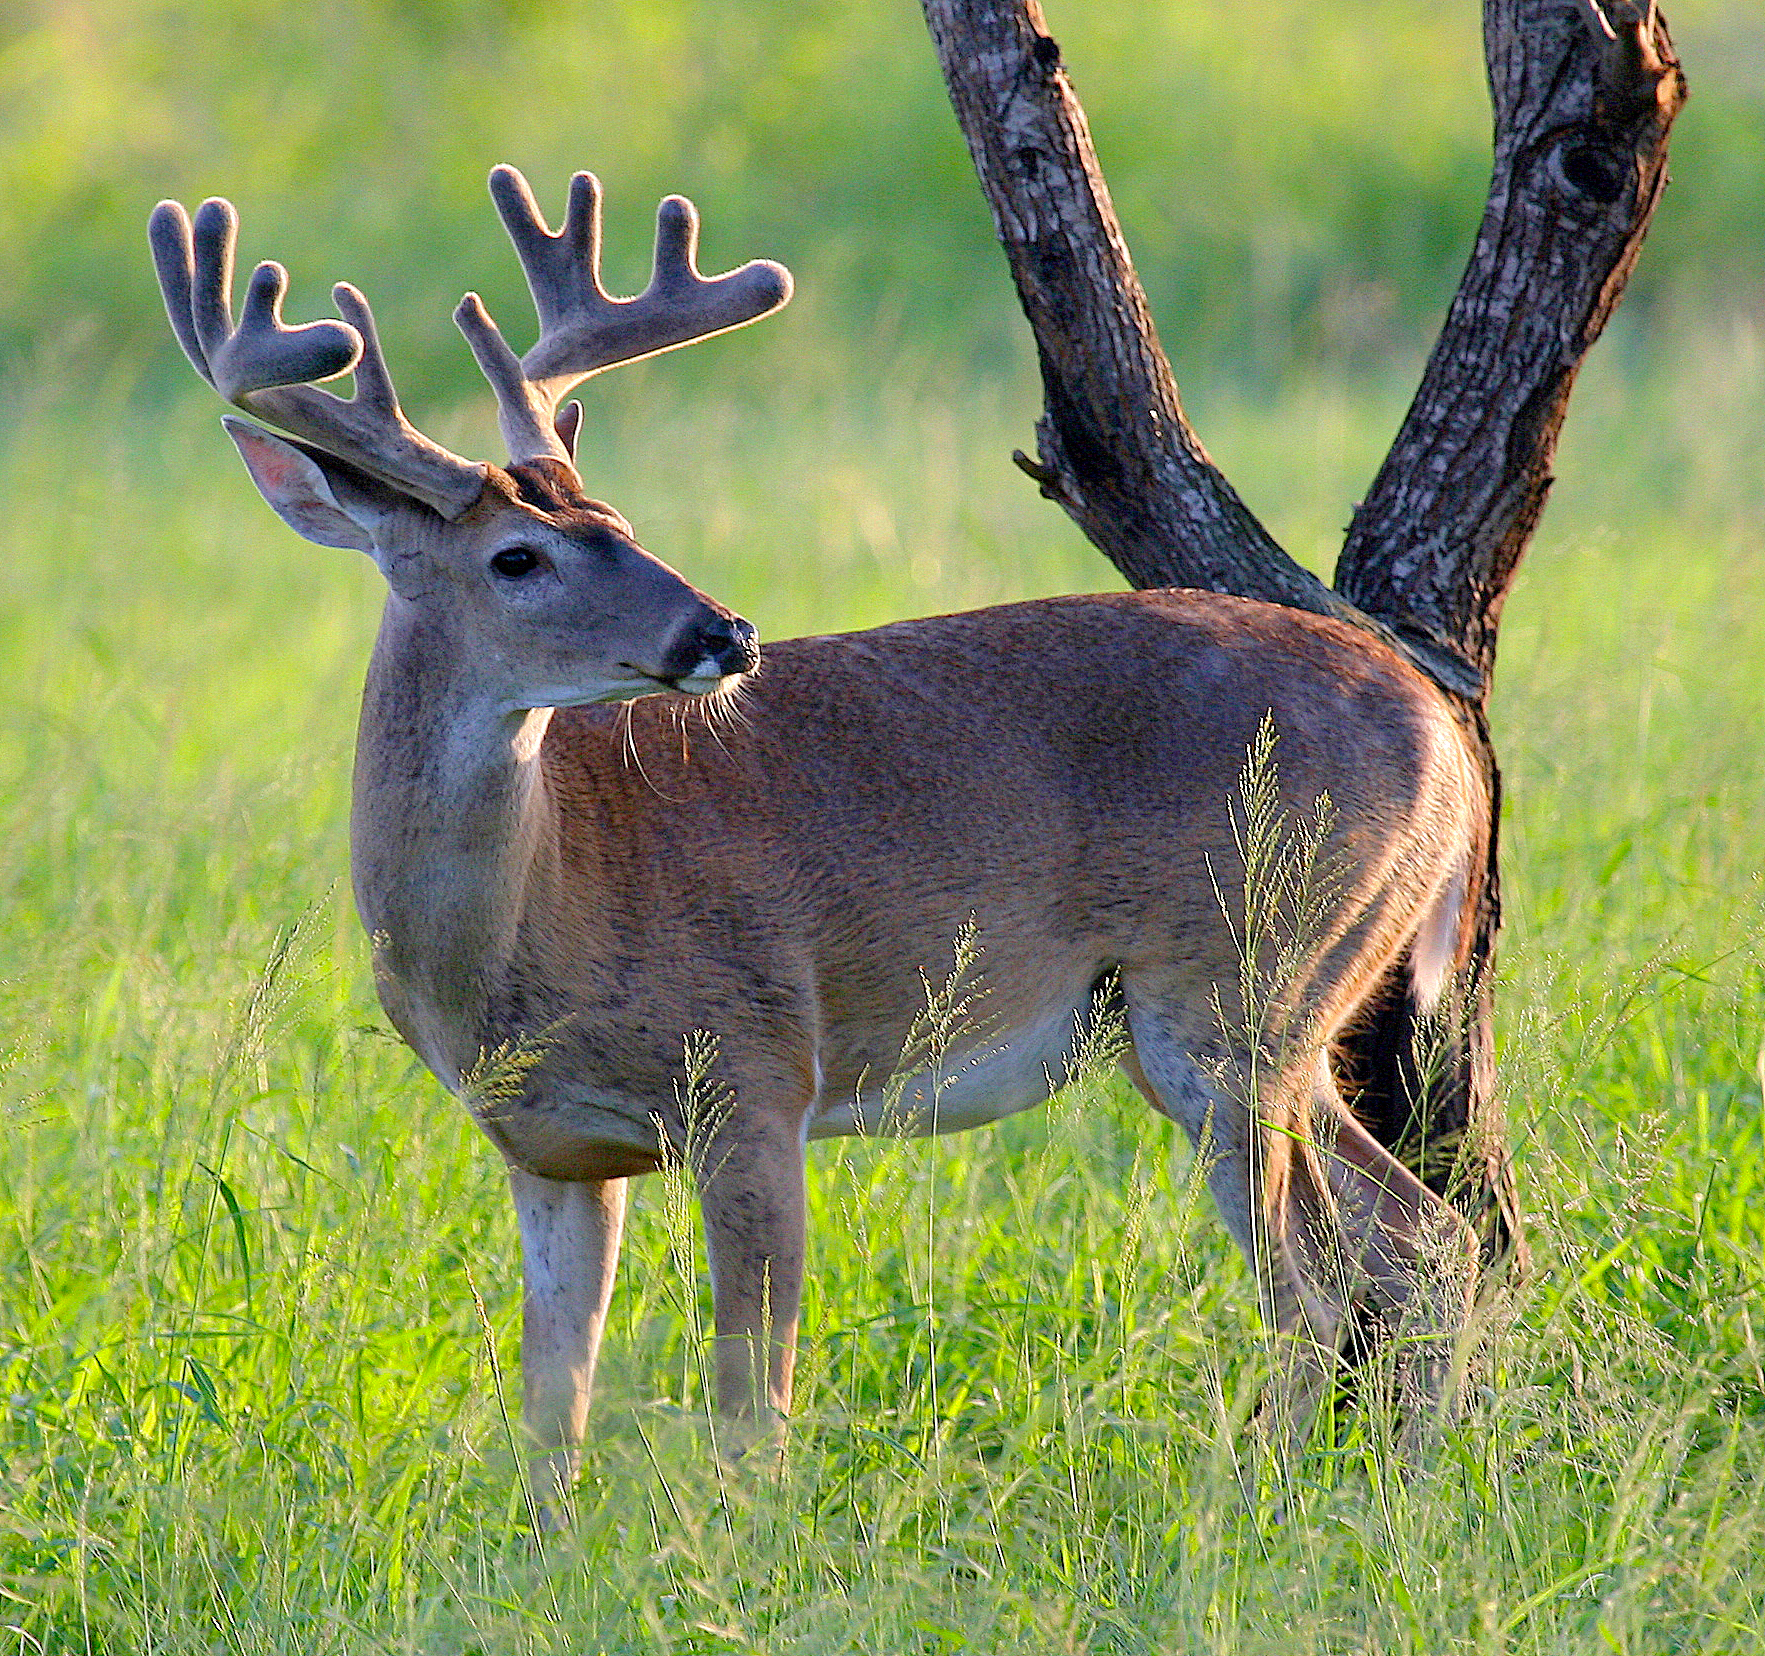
(168, 235)
(523, 413)
(583, 329)
(563, 269)
(675, 267)
(268, 368)
(262, 353)
(172, 239)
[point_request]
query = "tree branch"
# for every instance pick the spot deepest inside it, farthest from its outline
(1115, 449)
(1584, 99)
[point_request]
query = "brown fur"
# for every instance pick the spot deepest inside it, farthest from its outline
(789, 875)
(565, 877)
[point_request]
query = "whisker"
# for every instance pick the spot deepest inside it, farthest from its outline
(628, 731)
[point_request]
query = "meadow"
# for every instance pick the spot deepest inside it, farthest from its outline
(259, 1287)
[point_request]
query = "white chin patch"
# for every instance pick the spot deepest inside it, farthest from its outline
(577, 695)
(706, 679)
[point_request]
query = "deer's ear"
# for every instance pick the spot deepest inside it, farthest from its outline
(325, 504)
(568, 425)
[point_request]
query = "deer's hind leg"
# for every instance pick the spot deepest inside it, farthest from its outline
(1408, 1258)
(1247, 1160)
(1339, 1234)
(1365, 1249)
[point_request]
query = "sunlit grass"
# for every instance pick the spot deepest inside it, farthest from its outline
(249, 1398)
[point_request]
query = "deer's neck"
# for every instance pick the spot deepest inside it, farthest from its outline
(453, 836)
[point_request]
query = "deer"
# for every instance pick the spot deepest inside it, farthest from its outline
(590, 817)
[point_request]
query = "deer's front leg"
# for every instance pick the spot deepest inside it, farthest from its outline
(751, 1195)
(569, 1248)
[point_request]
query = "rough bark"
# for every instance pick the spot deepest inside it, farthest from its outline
(1583, 102)
(1115, 448)
(1581, 124)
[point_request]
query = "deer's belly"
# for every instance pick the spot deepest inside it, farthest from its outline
(567, 1134)
(551, 1120)
(1016, 1070)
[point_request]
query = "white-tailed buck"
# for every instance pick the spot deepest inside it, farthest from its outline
(549, 874)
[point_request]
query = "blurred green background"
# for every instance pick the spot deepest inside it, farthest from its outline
(1299, 183)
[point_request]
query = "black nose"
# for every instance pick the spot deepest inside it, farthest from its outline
(734, 644)
(721, 644)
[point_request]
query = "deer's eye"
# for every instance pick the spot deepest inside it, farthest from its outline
(515, 561)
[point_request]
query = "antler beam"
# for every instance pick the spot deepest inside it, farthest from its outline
(267, 368)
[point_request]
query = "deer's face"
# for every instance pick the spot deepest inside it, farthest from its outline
(539, 596)
(556, 604)
(543, 595)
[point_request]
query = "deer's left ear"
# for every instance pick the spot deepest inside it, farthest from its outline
(323, 503)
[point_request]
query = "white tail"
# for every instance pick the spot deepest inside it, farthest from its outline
(551, 918)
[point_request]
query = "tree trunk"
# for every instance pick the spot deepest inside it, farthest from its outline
(1583, 100)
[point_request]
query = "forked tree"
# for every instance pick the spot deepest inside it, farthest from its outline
(1584, 94)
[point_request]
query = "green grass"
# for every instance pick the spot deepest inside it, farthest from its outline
(250, 1401)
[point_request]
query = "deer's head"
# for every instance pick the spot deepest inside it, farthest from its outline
(544, 592)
